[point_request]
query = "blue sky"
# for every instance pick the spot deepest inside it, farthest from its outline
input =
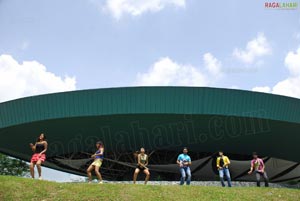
(50, 46)
(84, 39)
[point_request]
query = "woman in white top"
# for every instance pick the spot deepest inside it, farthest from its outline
(142, 166)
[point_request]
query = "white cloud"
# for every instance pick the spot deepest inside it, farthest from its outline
(212, 64)
(166, 72)
(288, 87)
(137, 7)
(255, 48)
(291, 85)
(292, 62)
(29, 78)
(264, 89)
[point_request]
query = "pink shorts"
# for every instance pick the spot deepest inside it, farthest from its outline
(36, 157)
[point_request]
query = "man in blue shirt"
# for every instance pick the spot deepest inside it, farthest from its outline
(184, 162)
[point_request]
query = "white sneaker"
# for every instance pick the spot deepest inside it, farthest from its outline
(100, 182)
(40, 178)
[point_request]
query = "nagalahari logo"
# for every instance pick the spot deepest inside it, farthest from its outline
(281, 5)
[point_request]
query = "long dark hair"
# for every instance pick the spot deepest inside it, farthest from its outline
(38, 138)
(136, 153)
(100, 143)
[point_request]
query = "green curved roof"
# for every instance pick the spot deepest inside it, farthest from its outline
(157, 118)
(149, 100)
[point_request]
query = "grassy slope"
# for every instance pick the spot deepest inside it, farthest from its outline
(15, 188)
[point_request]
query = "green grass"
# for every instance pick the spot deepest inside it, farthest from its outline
(16, 188)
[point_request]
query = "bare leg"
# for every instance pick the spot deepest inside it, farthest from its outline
(39, 168)
(146, 171)
(136, 172)
(89, 172)
(98, 173)
(31, 166)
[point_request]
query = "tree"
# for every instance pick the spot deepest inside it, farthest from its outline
(12, 166)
